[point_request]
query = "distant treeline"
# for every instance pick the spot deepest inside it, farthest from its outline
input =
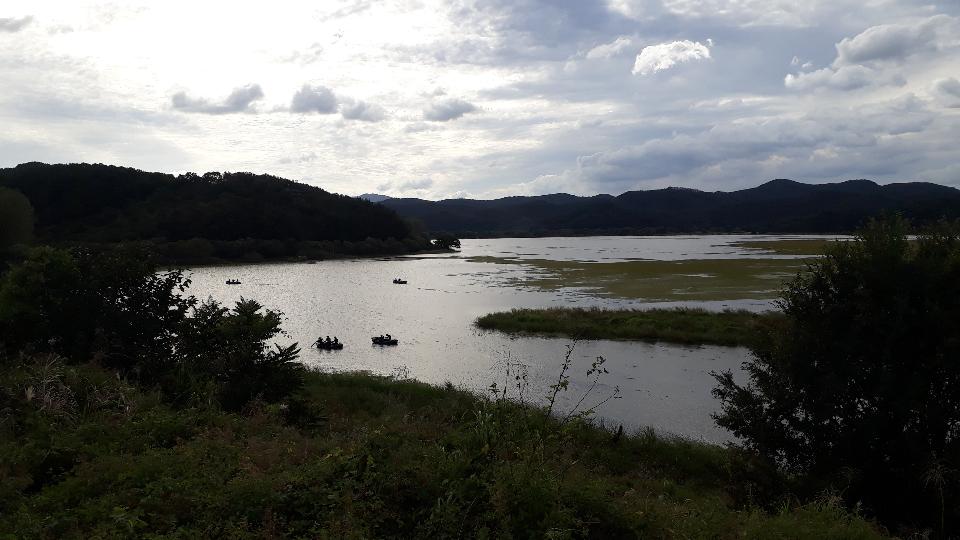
(779, 206)
(197, 218)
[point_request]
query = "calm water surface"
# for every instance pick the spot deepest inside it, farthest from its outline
(663, 386)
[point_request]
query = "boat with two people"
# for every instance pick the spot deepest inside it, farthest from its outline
(328, 344)
(384, 340)
(398, 281)
(233, 282)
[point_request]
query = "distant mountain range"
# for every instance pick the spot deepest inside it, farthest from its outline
(778, 206)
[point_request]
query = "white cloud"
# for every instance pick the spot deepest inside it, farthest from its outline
(361, 110)
(310, 99)
(448, 109)
(896, 42)
(819, 144)
(609, 50)
(656, 58)
(874, 57)
(240, 100)
(12, 24)
(525, 62)
(423, 183)
(845, 78)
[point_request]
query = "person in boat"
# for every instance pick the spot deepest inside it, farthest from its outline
(327, 341)
(335, 340)
(388, 337)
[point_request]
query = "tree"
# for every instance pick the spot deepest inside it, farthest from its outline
(231, 348)
(446, 241)
(16, 218)
(81, 304)
(115, 309)
(859, 389)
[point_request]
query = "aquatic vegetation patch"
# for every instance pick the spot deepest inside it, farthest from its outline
(679, 325)
(802, 246)
(658, 281)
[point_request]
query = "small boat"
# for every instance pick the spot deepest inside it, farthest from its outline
(331, 346)
(398, 281)
(233, 282)
(380, 340)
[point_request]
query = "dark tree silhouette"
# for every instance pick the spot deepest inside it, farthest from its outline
(223, 215)
(860, 389)
(16, 219)
(446, 241)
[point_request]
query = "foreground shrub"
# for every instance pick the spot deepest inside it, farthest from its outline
(82, 304)
(860, 389)
(231, 349)
(114, 309)
(390, 459)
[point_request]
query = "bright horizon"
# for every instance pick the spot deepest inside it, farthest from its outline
(489, 99)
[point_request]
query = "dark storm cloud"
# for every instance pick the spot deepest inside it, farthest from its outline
(448, 109)
(240, 100)
(319, 99)
(10, 24)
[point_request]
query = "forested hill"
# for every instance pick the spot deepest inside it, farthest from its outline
(777, 206)
(213, 216)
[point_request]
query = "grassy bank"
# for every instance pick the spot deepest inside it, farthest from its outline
(681, 325)
(360, 456)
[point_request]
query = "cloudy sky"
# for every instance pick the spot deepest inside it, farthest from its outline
(488, 98)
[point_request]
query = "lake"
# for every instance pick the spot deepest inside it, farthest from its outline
(663, 386)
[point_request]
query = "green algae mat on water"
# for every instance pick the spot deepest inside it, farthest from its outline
(805, 246)
(697, 279)
(659, 281)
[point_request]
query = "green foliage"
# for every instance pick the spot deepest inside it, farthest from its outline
(860, 388)
(113, 308)
(16, 219)
(83, 304)
(193, 218)
(680, 325)
(230, 348)
(388, 459)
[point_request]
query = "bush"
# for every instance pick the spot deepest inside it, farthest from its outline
(860, 389)
(82, 304)
(112, 308)
(229, 347)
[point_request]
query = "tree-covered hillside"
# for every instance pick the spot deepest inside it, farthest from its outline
(226, 216)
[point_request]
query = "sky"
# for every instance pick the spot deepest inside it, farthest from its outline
(489, 98)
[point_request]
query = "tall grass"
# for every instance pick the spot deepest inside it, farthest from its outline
(361, 456)
(680, 325)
